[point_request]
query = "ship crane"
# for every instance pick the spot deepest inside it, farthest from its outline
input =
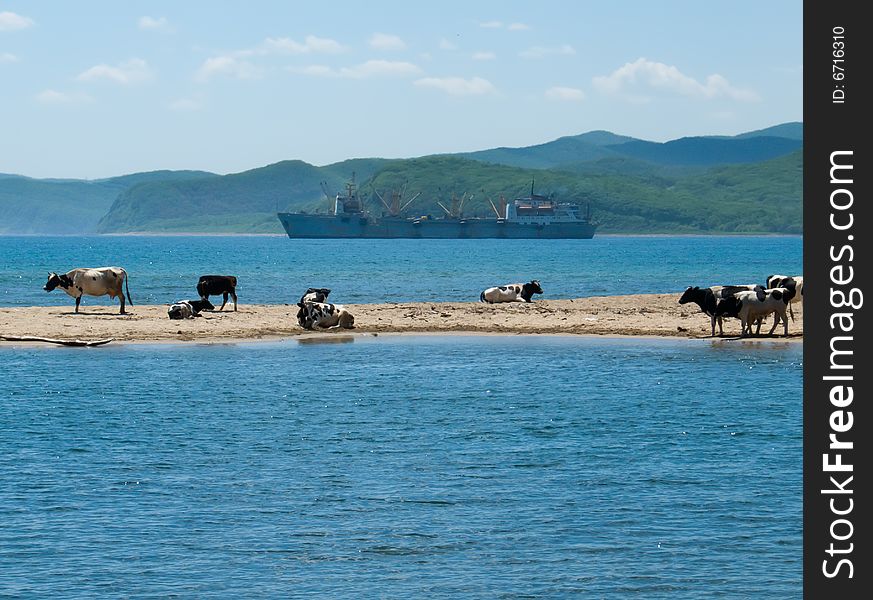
(457, 205)
(394, 208)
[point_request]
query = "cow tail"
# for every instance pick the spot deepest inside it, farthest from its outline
(127, 289)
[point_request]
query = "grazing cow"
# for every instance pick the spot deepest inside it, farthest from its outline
(212, 285)
(795, 283)
(188, 309)
(101, 281)
(751, 306)
(709, 298)
(319, 315)
(514, 292)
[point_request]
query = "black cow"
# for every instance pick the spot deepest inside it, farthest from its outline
(212, 285)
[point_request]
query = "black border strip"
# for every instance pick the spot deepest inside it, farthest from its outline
(836, 107)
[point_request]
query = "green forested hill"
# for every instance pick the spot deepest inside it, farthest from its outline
(764, 197)
(746, 183)
(244, 202)
(65, 206)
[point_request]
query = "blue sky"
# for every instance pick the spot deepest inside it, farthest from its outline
(96, 89)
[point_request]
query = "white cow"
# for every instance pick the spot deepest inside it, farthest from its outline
(101, 281)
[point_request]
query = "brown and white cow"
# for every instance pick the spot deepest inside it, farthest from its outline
(101, 281)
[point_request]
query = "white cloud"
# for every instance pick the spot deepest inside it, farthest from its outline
(6, 57)
(491, 24)
(55, 97)
(565, 93)
(366, 70)
(447, 45)
(644, 73)
(311, 45)
(458, 86)
(517, 27)
(384, 41)
(543, 51)
(227, 66)
(185, 104)
(133, 71)
(153, 24)
(9, 21)
(483, 56)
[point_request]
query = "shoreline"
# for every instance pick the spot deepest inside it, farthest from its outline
(632, 316)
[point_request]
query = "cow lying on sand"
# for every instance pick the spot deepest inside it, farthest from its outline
(101, 281)
(188, 309)
(514, 292)
(315, 313)
(212, 285)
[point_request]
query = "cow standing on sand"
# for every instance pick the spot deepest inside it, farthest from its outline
(212, 285)
(102, 281)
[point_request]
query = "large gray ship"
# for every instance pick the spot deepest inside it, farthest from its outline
(531, 217)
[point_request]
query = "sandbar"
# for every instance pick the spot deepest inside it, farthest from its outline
(639, 315)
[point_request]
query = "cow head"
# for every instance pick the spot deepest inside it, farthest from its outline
(55, 280)
(315, 295)
(529, 289)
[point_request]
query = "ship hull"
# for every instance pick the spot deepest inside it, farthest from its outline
(298, 225)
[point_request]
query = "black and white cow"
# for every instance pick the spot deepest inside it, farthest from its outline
(320, 315)
(754, 306)
(790, 282)
(709, 298)
(514, 292)
(310, 295)
(188, 309)
(212, 285)
(101, 281)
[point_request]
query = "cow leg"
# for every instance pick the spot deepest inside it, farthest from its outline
(121, 297)
(78, 301)
(233, 295)
(225, 301)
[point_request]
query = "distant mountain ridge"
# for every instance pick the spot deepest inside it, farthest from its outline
(634, 185)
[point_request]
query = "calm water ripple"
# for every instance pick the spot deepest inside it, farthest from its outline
(493, 467)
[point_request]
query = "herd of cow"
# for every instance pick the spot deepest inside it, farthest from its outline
(313, 313)
(749, 303)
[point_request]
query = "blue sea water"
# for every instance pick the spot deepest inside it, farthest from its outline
(276, 269)
(402, 467)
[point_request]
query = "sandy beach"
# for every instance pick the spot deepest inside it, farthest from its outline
(633, 315)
